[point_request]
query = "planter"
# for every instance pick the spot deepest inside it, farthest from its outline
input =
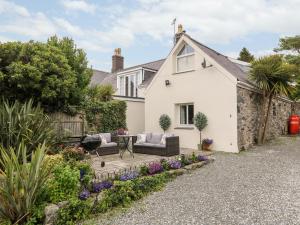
(199, 147)
(206, 147)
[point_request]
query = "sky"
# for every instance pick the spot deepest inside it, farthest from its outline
(143, 30)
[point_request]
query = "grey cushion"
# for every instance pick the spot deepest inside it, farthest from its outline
(110, 144)
(107, 136)
(148, 136)
(155, 138)
(150, 145)
(90, 138)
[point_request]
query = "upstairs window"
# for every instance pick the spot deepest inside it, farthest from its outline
(185, 59)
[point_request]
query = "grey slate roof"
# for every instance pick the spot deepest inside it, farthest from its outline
(237, 68)
(111, 78)
(98, 76)
(240, 71)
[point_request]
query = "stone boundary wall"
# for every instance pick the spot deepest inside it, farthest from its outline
(296, 108)
(248, 109)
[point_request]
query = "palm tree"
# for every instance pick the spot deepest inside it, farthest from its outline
(273, 76)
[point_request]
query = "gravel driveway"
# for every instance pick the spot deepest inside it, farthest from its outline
(260, 186)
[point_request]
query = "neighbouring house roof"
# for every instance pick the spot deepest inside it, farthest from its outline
(111, 78)
(98, 76)
(237, 68)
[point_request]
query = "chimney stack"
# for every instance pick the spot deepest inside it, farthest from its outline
(179, 33)
(117, 61)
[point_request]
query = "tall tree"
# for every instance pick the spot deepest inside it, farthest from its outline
(245, 55)
(273, 76)
(290, 47)
(54, 73)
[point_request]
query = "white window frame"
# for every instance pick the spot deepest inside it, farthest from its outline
(135, 82)
(187, 114)
(182, 56)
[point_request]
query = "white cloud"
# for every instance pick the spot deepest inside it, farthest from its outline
(78, 5)
(68, 27)
(35, 26)
(213, 21)
(10, 7)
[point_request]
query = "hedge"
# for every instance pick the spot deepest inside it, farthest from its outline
(106, 116)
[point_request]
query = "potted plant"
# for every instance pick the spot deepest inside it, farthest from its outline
(200, 121)
(165, 122)
(206, 143)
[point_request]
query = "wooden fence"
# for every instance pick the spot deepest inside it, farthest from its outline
(68, 126)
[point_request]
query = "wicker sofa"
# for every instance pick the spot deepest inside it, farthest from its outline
(109, 148)
(170, 148)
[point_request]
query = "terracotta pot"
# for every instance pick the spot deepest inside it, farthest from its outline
(205, 147)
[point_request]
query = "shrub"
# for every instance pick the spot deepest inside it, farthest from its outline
(52, 160)
(165, 164)
(63, 184)
(200, 122)
(20, 181)
(155, 167)
(144, 170)
(106, 116)
(164, 122)
(100, 93)
(74, 211)
(24, 123)
(73, 153)
(84, 194)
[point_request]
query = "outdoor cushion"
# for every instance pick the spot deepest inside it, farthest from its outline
(106, 136)
(163, 138)
(110, 144)
(155, 138)
(150, 145)
(141, 138)
(148, 136)
(89, 138)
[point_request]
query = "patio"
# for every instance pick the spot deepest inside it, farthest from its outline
(114, 164)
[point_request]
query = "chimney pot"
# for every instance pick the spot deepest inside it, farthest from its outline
(179, 33)
(117, 61)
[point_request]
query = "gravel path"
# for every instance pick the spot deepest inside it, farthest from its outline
(261, 186)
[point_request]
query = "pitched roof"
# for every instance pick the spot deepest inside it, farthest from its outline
(98, 76)
(111, 78)
(237, 68)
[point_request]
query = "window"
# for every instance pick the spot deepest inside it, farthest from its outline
(186, 114)
(128, 84)
(185, 59)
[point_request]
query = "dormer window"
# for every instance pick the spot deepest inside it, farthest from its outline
(185, 59)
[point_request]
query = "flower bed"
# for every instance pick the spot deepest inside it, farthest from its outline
(72, 183)
(127, 187)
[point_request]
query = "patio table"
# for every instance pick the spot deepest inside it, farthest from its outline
(126, 138)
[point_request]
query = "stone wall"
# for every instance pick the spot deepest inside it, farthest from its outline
(249, 106)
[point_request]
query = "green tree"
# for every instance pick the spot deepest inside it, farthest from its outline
(200, 121)
(164, 122)
(290, 46)
(54, 74)
(102, 93)
(245, 55)
(273, 76)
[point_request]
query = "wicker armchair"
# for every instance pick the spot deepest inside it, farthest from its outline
(170, 149)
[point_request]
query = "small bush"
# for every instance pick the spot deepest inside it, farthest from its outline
(144, 170)
(129, 176)
(164, 122)
(52, 160)
(73, 153)
(63, 184)
(155, 167)
(74, 211)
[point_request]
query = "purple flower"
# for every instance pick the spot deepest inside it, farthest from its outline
(84, 195)
(97, 187)
(202, 158)
(175, 164)
(129, 176)
(207, 141)
(155, 167)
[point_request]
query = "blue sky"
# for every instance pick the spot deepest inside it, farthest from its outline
(142, 28)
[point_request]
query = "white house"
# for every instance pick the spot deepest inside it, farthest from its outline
(193, 78)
